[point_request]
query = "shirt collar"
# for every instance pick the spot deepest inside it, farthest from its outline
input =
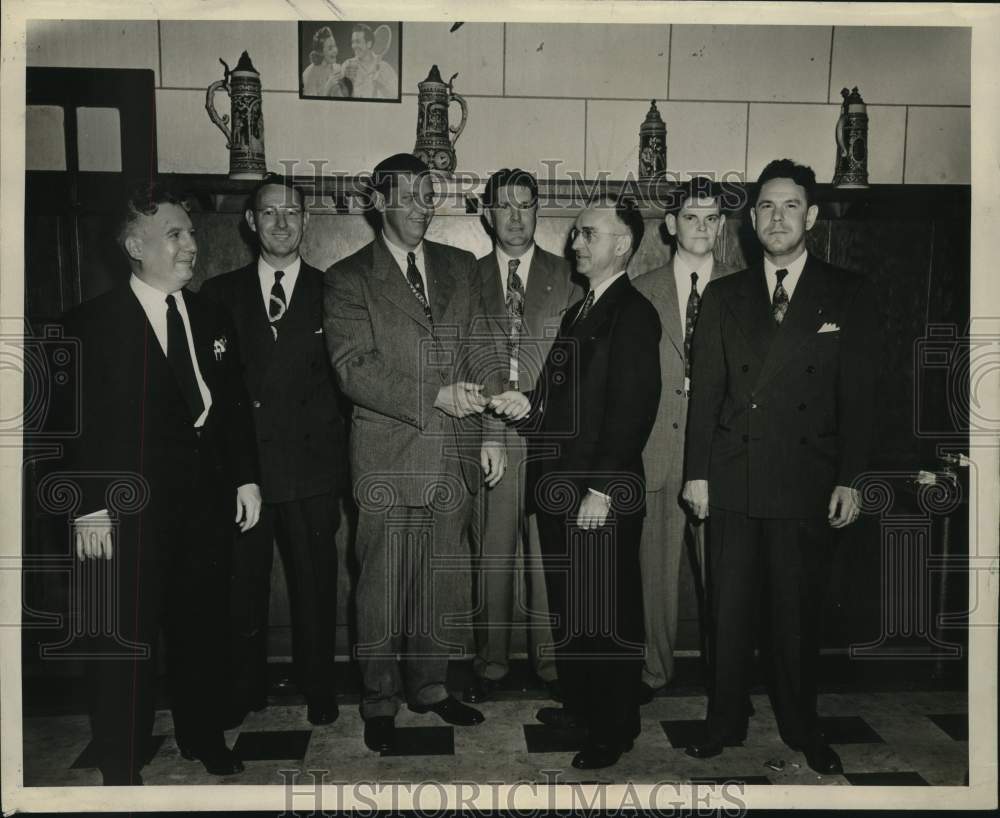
(794, 269)
(601, 288)
(503, 261)
(152, 298)
(400, 253)
(266, 271)
(683, 269)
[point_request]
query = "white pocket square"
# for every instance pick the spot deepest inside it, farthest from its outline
(319, 331)
(829, 327)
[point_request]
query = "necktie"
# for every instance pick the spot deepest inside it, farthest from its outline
(417, 285)
(691, 315)
(515, 312)
(779, 301)
(277, 303)
(179, 358)
(588, 302)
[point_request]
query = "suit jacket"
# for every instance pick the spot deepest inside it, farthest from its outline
(390, 362)
(663, 457)
(297, 418)
(779, 416)
(132, 413)
(595, 405)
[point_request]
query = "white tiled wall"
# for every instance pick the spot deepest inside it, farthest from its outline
(733, 97)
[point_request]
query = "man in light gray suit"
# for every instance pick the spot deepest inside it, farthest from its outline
(694, 219)
(526, 291)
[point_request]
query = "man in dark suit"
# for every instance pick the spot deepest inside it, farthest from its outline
(779, 430)
(526, 291)
(398, 317)
(163, 404)
(694, 219)
(588, 422)
(277, 305)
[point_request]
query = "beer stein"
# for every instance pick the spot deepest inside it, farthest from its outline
(245, 135)
(434, 144)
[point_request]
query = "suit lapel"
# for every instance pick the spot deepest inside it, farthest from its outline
(298, 314)
(752, 310)
(668, 291)
(602, 309)
(201, 335)
(800, 323)
(439, 279)
(493, 295)
(395, 288)
(260, 339)
(538, 293)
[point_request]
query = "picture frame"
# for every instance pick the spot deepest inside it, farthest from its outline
(363, 63)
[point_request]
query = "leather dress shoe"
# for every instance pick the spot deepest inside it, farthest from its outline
(480, 690)
(595, 756)
(218, 761)
(323, 711)
(452, 711)
(709, 748)
(823, 759)
(380, 733)
(560, 718)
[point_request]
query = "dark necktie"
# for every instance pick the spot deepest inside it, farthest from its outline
(417, 285)
(588, 302)
(277, 303)
(779, 302)
(179, 358)
(690, 316)
(515, 310)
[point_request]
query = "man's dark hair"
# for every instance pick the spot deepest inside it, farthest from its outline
(144, 199)
(399, 164)
(627, 212)
(698, 187)
(802, 175)
(366, 30)
(508, 177)
(273, 179)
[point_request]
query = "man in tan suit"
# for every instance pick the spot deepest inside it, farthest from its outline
(694, 219)
(398, 318)
(526, 291)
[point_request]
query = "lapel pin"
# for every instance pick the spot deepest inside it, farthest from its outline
(219, 347)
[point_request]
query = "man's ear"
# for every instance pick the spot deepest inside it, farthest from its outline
(248, 215)
(488, 215)
(624, 246)
(670, 220)
(811, 215)
(722, 220)
(133, 247)
(378, 200)
(753, 217)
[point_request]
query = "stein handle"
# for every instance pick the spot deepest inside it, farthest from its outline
(465, 115)
(841, 143)
(221, 121)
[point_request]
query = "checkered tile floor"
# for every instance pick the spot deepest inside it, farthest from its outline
(888, 738)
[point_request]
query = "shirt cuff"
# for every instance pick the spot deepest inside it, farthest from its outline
(603, 496)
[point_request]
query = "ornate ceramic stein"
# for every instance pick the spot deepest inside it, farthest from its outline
(245, 137)
(434, 145)
(851, 169)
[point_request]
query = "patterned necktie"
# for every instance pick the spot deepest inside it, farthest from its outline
(588, 302)
(690, 316)
(277, 303)
(779, 302)
(515, 312)
(179, 358)
(417, 285)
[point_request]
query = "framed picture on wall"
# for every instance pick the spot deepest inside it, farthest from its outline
(359, 61)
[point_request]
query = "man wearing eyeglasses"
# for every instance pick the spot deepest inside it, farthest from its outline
(526, 291)
(587, 421)
(276, 304)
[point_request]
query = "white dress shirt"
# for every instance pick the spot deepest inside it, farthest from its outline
(682, 280)
(154, 304)
(794, 272)
(265, 272)
(400, 254)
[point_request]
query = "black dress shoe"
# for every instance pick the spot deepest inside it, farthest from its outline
(595, 756)
(322, 712)
(217, 761)
(560, 718)
(452, 711)
(480, 690)
(121, 778)
(646, 693)
(380, 733)
(709, 748)
(823, 759)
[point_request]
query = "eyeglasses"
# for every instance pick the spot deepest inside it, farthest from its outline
(588, 234)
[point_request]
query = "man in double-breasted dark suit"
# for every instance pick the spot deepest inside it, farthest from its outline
(526, 292)
(694, 219)
(779, 430)
(277, 305)
(163, 411)
(587, 422)
(399, 316)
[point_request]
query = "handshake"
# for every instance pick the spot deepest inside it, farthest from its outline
(462, 399)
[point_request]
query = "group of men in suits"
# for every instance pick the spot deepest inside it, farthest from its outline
(579, 437)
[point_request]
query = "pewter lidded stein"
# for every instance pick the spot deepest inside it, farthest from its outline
(652, 144)
(851, 170)
(434, 145)
(245, 136)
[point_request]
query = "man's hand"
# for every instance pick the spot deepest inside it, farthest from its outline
(493, 457)
(593, 511)
(695, 494)
(461, 399)
(845, 506)
(512, 405)
(247, 506)
(93, 536)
